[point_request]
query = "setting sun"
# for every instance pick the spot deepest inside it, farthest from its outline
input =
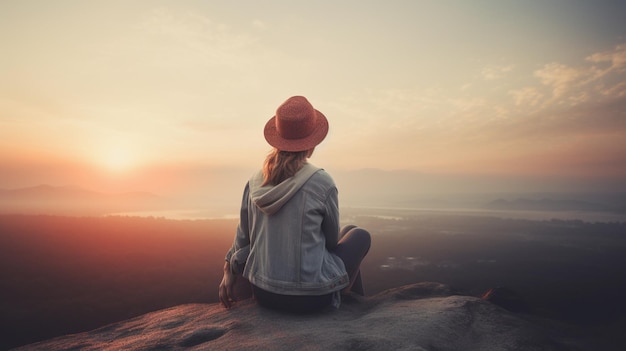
(118, 160)
(117, 157)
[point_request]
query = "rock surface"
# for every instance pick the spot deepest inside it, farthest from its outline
(424, 316)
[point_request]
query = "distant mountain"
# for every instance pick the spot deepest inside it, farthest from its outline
(47, 199)
(546, 205)
(67, 192)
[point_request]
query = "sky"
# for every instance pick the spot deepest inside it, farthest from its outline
(123, 95)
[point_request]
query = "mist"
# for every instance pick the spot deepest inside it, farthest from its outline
(206, 192)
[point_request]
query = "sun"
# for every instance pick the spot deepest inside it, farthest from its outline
(118, 160)
(117, 157)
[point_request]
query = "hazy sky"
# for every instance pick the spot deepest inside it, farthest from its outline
(448, 87)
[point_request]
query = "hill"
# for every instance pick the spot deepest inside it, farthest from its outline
(423, 316)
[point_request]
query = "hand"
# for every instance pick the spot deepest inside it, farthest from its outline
(226, 287)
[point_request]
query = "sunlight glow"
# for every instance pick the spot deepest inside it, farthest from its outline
(118, 161)
(118, 158)
(120, 89)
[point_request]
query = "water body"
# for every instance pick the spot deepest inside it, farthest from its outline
(585, 216)
(399, 213)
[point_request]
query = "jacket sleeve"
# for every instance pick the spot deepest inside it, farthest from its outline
(238, 253)
(330, 223)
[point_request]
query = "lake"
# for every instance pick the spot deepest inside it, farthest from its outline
(396, 213)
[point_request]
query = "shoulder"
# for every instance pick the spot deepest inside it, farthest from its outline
(256, 180)
(321, 180)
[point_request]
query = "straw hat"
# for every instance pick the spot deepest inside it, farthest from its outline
(297, 126)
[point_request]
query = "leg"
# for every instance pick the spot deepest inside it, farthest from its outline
(352, 248)
(346, 229)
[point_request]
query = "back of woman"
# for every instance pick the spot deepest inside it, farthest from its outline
(288, 244)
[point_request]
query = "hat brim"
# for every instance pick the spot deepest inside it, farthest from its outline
(319, 133)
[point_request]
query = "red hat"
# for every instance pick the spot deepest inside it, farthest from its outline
(297, 126)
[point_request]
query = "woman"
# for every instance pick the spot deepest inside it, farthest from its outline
(288, 239)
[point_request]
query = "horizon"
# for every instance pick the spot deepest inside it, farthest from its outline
(73, 201)
(171, 97)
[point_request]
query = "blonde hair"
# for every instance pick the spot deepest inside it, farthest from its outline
(280, 165)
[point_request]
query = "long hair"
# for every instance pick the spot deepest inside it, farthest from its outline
(280, 165)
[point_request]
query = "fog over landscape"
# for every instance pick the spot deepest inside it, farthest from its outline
(219, 195)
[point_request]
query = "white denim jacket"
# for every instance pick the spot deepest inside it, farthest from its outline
(285, 233)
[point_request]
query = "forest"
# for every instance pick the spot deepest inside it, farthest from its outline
(62, 275)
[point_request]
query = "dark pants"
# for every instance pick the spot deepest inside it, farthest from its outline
(354, 244)
(292, 303)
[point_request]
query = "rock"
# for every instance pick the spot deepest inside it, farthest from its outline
(424, 316)
(507, 299)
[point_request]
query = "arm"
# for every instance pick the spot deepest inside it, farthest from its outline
(330, 223)
(242, 239)
(226, 286)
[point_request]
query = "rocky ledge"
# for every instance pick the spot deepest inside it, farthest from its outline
(424, 316)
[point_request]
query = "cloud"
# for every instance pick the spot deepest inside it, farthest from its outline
(173, 38)
(528, 96)
(616, 58)
(574, 85)
(618, 90)
(496, 72)
(559, 110)
(257, 23)
(561, 78)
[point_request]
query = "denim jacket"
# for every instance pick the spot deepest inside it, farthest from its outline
(286, 234)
